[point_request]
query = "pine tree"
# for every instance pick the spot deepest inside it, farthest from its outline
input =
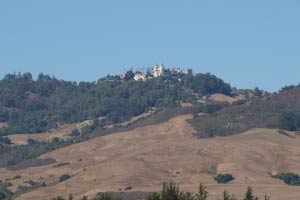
(71, 197)
(249, 195)
(154, 196)
(84, 198)
(202, 193)
(266, 197)
(226, 195)
(170, 192)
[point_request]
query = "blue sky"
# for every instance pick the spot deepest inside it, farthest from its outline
(247, 43)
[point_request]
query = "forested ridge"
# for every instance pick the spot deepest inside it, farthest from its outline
(35, 106)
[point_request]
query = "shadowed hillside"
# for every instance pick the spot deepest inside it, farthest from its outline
(264, 112)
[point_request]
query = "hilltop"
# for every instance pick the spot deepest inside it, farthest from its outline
(36, 106)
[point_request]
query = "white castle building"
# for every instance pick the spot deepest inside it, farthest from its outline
(158, 71)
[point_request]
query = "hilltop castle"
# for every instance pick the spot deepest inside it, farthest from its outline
(158, 71)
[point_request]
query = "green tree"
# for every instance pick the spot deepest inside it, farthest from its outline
(58, 198)
(154, 196)
(249, 194)
(129, 76)
(85, 198)
(64, 177)
(202, 193)
(71, 197)
(266, 197)
(103, 196)
(170, 192)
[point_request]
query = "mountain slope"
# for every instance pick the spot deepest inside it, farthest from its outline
(147, 156)
(263, 112)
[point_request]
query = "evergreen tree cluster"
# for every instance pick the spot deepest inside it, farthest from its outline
(170, 191)
(35, 106)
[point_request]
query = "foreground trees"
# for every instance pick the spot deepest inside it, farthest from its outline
(170, 191)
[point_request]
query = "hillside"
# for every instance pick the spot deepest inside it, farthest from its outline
(270, 111)
(37, 106)
(145, 157)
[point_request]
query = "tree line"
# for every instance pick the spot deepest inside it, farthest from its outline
(170, 191)
(35, 106)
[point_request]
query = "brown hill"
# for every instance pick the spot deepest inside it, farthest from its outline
(147, 156)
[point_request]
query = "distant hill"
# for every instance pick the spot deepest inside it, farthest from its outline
(36, 106)
(279, 110)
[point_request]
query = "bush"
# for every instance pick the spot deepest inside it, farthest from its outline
(75, 133)
(210, 108)
(289, 121)
(64, 177)
(103, 196)
(289, 178)
(60, 165)
(224, 178)
(5, 140)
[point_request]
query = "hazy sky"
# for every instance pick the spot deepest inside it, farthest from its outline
(247, 43)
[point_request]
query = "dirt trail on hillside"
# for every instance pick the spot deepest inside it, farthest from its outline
(147, 156)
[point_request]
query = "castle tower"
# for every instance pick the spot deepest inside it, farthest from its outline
(161, 70)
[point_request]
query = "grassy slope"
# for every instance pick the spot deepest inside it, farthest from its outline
(147, 156)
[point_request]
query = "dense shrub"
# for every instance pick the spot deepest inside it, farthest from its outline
(289, 121)
(210, 108)
(64, 177)
(224, 178)
(75, 133)
(5, 140)
(289, 178)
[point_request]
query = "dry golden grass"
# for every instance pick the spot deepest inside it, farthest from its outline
(147, 156)
(3, 125)
(62, 132)
(227, 99)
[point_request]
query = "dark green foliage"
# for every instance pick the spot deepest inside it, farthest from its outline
(202, 193)
(60, 165)
(58, 198)
(289, 178)
(170, 191)
(249, 195)
(153, 196)
(266, 197)
(103, 196)
(226, 196)
(289, 121)
(210, 108)
(257, 92)
(239, 102)
(224, 178)
(75, 133)
(5, 140)
(289, 87)
(206, 84)
(64, 177)
(12, 155)
(14, 178)
(35, 106)
(5, 193)
(129, 76)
